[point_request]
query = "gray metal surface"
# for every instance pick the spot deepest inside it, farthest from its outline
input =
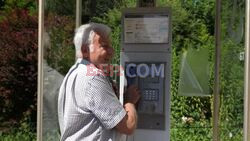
(40, 70)
(151, 107)
(247, 75)
(155, 123)
(78, 13)
(152, 126)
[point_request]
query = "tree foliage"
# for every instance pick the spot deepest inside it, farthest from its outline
(30, 5)
(18, 66)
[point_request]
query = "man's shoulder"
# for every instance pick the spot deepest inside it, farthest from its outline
(87, 72)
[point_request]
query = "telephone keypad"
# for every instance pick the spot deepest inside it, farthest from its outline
(151, 95)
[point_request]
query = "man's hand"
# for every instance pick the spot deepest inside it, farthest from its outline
(132, 95)
(128, 124)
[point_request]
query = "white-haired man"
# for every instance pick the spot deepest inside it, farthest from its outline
(88, 108)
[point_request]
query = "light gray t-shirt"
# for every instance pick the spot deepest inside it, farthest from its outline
(88, 108)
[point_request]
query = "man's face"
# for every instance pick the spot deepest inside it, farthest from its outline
(101, 51)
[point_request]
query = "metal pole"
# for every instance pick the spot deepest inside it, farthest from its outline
(40, 71)
(78, 13)
(247, 76)
(216, 97)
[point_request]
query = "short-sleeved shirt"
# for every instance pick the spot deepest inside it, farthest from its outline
(88, 108)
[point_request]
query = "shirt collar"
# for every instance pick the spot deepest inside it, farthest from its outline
(82, 61)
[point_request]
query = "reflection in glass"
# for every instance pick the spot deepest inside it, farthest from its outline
(58, 57)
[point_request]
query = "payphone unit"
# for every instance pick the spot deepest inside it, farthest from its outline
(146, 62)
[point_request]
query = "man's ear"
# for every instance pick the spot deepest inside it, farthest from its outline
(85, 51)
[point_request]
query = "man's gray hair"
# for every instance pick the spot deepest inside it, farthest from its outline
(84, 35)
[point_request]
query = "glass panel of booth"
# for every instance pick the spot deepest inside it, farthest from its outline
(194, 73)
(232, 70)
(231, 78)
(59, 55)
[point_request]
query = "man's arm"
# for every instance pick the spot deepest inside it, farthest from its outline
(128, 124)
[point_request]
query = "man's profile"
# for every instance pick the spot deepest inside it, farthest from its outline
(88, 107)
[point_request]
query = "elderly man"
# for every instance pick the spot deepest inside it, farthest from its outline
(88, 108)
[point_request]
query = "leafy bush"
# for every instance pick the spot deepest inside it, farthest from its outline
(18, 65)
(25, 132)
(59, 51)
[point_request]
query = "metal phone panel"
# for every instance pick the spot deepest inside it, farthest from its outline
(147, 47)
(150, 108)
(154, 113)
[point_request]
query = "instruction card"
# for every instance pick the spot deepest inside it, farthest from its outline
(146, 28)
